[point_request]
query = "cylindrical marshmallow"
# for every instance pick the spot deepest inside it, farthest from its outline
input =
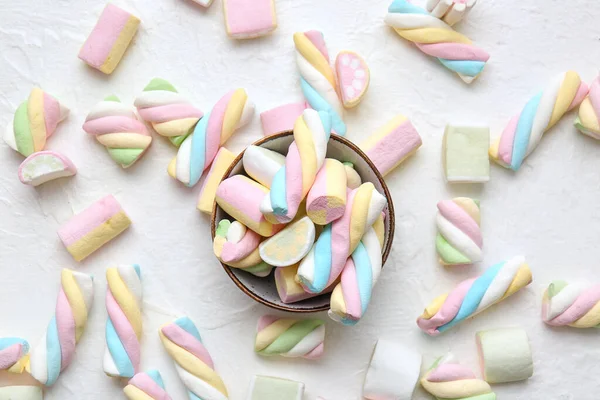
(146, 386)
(505, 355)
(14, 354)
(326, 199)
(290, 337)
(291, 291)
(450, 11)
(21, 393)
(262, 164)
(588, 118)
(290, 245)
(576, 305)
(208, 191)
(393, 372)
(281, 119)
(45, 166)
(459, 240)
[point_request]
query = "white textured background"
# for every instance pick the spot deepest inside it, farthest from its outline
(548, 211)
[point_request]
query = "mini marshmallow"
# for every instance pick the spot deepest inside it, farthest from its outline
(14, 354)
(391, 144)
(262, 164)
(393, 372)
(290, 245)
(353, 77)
(505, 355)
(465, 154)
(353, 180)
(271, 388)
(247, 19)
(450, 11)
(290, 338)
(291, 291)
(21, 393)
(45, 166)
(326, 199)
(217, 170)
(109, 39)
(459, 240)
(281, 119)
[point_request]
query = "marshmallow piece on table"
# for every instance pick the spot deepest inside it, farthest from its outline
(208, 191)
(588, 118)
(203, 3)
(92, 228)
(437, 39)
(45, 166)
(21, 393)
(459, 240)
(576, 305)
(146, 386)
(465, 154)
(393, 372)
(391, 144)
(525, 130)
(290, 245)
(262, 164)
(281, 119)
(290, 337)
(248, 19)
(450, 11)
(34, 121)
(291, 291)
(14, 354)
(326, 199)
(505, 355)
(353, 77)
(54, 353)
(109, 39)
(271, 388)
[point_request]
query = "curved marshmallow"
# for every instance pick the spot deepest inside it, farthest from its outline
(353, 77)
(208, 190)
(289, 245)
(290, 337)
(45, 166)
(505, 355)
(262, 164)
(21, 393)
(588, 118)
(326, 199)
(450, 11)
(281, 119)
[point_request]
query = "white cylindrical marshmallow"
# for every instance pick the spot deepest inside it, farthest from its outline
(505, 355)
(262, 164)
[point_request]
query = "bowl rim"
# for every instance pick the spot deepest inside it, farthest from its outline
(390, 215)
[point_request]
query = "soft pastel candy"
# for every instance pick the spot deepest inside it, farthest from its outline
(505, 355)
(326, 199)
(588, 118)
(109, 39)
(262, 164)
(353, 77)
(575, 305)
(56, 350)
(124, 325)
(291, 291)
(290, 337)
(14, 354)
(281, 119)
(146, 386)
(524, 131)
(290, 245)
(248, 19)
(21, 393)
(271, 388)
(450, 11)
(203, 3)
(465, 154)
(353, 179)
(198, 150)
(208, 190)
(459, 240)
(35, 120)
(45, 166)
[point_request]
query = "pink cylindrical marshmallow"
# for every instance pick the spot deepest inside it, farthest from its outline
(247, 19)
(326, 200)
(281, 119)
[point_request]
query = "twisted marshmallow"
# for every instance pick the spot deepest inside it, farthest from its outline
(34, 122)
(192, 361)
(524, 131)
(124, 324)
(450, 11)
(198, 150)
(317, 78)
(170, 114)
(290, 337)
(576, 305)
(305, 157)
(475, 295)
(588, 120)
(437, 39)
(146, 386)
(14, 354)
(351, 297)
(459, 239)
(325, 261)
(116, 127)
(55, 351)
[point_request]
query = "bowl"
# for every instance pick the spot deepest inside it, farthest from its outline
(263, 290)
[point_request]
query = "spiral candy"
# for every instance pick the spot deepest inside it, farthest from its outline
(576, 305)
(116, 127)
(198, 150)
(146, 386)
(192, 361)
(55, 351)
(14, 354)
(290, 337)
(437, 39)
(459, 239)
(475, 295)
(588, 120)
(124, 324)
(524, 131)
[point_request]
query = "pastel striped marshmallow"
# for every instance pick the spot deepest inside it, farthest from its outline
(106, 45)
(14, 354)
(351, 297)
(576, 305)
(35, 120)
(291, 291)
(170, 113)
(262, 164)
(327, 258)
(95, 226)
(304, 158)
(588, 119)
(450, 11)
(290, 337)
(116, 127)
(459, 240)
(56, 350)
(437, 39)
(317, 78)
(525, 130)
(147, 385)
(475, 295)
(326, 199)
(124, 325)
(208, 190)
(193, 363)
(198, 150)
(282, 118)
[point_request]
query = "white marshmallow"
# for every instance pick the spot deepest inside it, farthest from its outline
(262, 164)
(505, 355)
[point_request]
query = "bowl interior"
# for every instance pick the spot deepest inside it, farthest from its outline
(264, 290)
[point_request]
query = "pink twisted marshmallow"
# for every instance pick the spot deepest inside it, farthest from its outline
(576, 305)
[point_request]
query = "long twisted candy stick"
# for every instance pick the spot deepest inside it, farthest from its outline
(524, 131)
(170, 114)
(325, 261)
(305, 157)
(588, 120)
(290, 337)
(55, 351)
(198, 150)
(192, 361)
(116, 127)
(576, 305)
(475, 295)
(146, 386)
(351, 297)
(317, 78)
(450, 11)
(459, 239)
(14, 354)
(448, 380)
(124, 324)
(437, 39)
(34, 122)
